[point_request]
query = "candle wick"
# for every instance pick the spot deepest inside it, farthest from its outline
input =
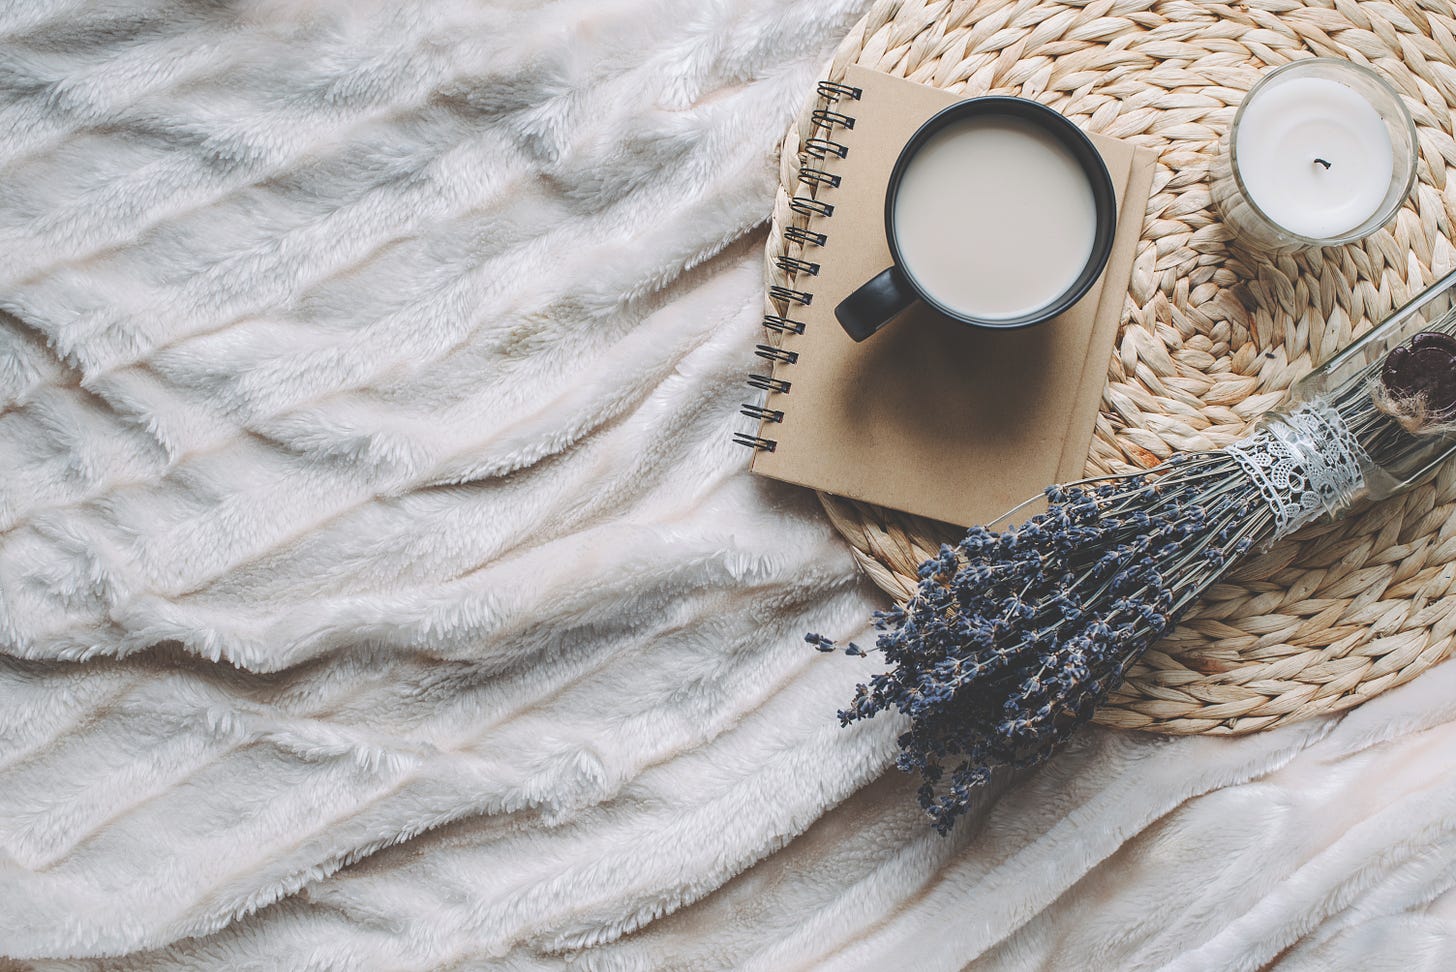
(1323, 163)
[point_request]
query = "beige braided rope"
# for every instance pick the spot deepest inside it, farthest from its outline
(1211, 337)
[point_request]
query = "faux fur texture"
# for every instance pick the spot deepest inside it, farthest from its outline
(379, 587)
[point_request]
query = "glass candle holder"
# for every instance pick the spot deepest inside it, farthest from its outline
(1321, 152)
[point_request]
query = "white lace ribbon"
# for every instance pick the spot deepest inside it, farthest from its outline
(1306, 464)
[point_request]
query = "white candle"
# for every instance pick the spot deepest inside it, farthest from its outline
(1322, 151)
(1314, 155)
(995, 218)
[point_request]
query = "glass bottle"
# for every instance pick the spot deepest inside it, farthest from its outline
(1338, 430)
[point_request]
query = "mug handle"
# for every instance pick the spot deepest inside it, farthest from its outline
(874, 304)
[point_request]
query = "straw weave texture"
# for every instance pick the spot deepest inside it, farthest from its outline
(1212, 336)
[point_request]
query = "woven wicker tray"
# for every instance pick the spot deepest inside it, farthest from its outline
(1211, 337)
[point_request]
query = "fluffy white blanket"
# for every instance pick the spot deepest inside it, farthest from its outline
(379, 587)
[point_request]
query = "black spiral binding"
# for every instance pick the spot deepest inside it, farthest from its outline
(832, 91)
(792, 265)
(828, 117)
(767, 383)
(800, 297)
(772, 352)
(831, 119)
(756, 442)
(822, 148)
(777, 322)
(809, 206)
(762, 414)
(818, 177)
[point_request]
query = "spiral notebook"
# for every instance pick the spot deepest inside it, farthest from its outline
(927, 416)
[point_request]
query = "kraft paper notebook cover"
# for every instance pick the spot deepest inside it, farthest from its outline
(929, 416)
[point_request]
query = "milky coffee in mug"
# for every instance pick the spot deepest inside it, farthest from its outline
(999, 213)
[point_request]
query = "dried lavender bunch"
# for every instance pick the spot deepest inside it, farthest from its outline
(1013, 638)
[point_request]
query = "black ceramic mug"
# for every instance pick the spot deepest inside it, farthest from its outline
(1046, 133)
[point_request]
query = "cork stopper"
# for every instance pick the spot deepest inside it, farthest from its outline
(1417, 384)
